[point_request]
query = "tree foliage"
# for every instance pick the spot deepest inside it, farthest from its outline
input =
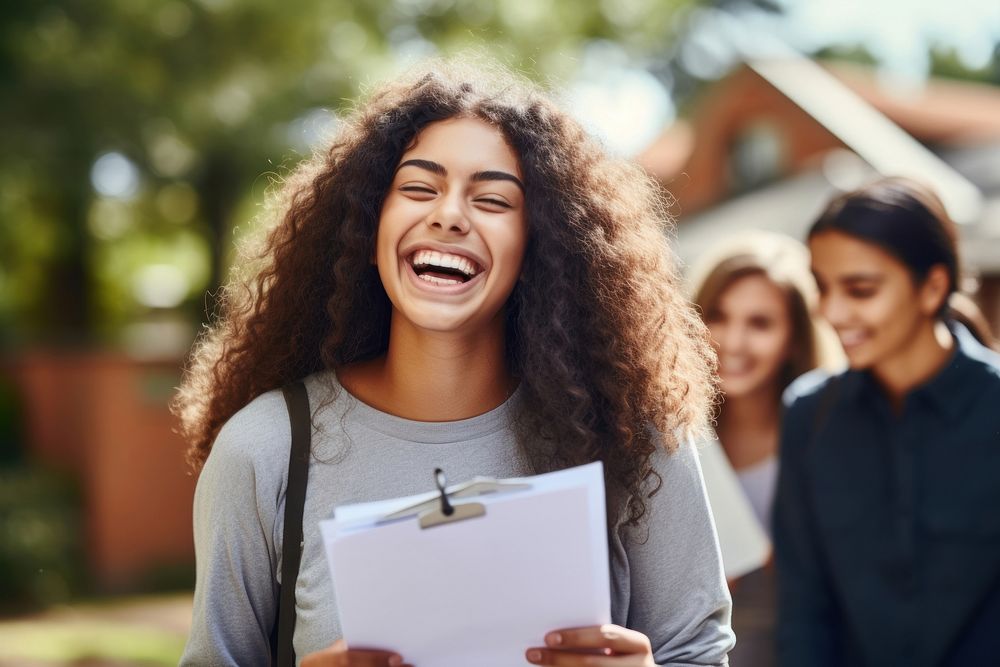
(194, 101)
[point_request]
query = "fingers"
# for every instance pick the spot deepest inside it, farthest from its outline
(594, 645)
(372, 658)
(337, 655)
(566, 658)
(614, 637)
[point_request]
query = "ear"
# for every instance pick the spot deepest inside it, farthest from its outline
(934, 290)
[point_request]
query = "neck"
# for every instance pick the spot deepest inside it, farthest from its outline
(748, 426)
(434, 376)
(922, 358)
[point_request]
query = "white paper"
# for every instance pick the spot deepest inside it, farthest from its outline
(744, 543)
(479, 591)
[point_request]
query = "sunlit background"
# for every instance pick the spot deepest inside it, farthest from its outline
(140, 139)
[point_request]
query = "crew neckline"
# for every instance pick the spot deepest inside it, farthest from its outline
(424, 432)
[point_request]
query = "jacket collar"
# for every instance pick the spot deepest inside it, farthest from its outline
(951, 390)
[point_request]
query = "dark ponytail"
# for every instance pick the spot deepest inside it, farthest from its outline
(908, 221)
(961, 308)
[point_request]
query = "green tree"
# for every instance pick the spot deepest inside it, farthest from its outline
(190, 103)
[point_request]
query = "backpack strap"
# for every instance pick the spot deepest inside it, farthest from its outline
(297, 401)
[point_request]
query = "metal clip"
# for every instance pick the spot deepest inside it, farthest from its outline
(431, 512)
(445, 512)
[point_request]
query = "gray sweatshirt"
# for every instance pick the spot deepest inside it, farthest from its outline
(666, 574)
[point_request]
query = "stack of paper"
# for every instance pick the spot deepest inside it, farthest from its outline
(744, 544)
(478, 591)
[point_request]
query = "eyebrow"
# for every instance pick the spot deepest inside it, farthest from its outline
(479, 176)
(862, 278)
(854, 277)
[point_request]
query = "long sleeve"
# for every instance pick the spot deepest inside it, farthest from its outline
(677, 591)
(235, 511)
(808, 620)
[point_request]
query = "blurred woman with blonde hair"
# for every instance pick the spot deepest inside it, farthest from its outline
(758, 298)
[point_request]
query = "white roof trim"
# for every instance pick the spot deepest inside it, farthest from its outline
(869, 133)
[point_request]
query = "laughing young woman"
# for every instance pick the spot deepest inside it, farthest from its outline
(887, 533)
(463, 279)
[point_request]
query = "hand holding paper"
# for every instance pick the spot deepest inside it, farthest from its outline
(578, 646)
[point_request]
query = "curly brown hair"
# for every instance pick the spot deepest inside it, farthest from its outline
(612, 359)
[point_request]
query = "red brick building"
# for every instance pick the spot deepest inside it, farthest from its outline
(767, 146)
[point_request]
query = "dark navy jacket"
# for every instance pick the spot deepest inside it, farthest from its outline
(886, 527)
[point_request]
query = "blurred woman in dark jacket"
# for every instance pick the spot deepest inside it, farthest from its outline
(887, 529)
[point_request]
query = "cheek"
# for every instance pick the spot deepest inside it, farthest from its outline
(508, 242)
(774, 346)
(390, 232)
(883, 312)
(716, 332)
(383, 251)
(516, 238)
(723, 339)
(384, 254)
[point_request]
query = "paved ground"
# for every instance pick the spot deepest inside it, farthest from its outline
(144, 631)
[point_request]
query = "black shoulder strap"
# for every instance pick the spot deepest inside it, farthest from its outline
(297, 401)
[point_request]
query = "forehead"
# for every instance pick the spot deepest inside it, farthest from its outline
(753, 292)
(838, 254)
(464, 145)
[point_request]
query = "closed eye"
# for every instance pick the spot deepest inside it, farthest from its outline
(862, 289)
(417, 188)
(493, 202)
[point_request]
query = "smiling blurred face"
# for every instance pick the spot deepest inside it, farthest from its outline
(868, 297)
(752, 332)
(452, 230)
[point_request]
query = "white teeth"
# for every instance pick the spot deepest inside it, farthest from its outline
(439, 281)
(730, 365)
(444, 260)
(851, 337)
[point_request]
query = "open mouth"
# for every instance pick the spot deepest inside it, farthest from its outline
(439, 268)
(731, 366)
(851, 338)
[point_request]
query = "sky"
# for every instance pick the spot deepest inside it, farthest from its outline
(897, 32)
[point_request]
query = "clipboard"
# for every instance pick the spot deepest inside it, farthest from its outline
(743, 541)
(475, 573)
(440, 511)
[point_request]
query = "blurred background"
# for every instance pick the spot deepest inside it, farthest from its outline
(140, 138)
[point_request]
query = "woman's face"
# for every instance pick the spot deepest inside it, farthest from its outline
(869, 297)
(752, 332)
(452, 231)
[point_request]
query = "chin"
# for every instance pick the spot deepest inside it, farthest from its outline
(858, 360)
(735, 389)
(745, 387)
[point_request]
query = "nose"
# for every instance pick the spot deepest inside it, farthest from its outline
(730, 338)
(737, 338)
(834, 309)
(449, 215)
